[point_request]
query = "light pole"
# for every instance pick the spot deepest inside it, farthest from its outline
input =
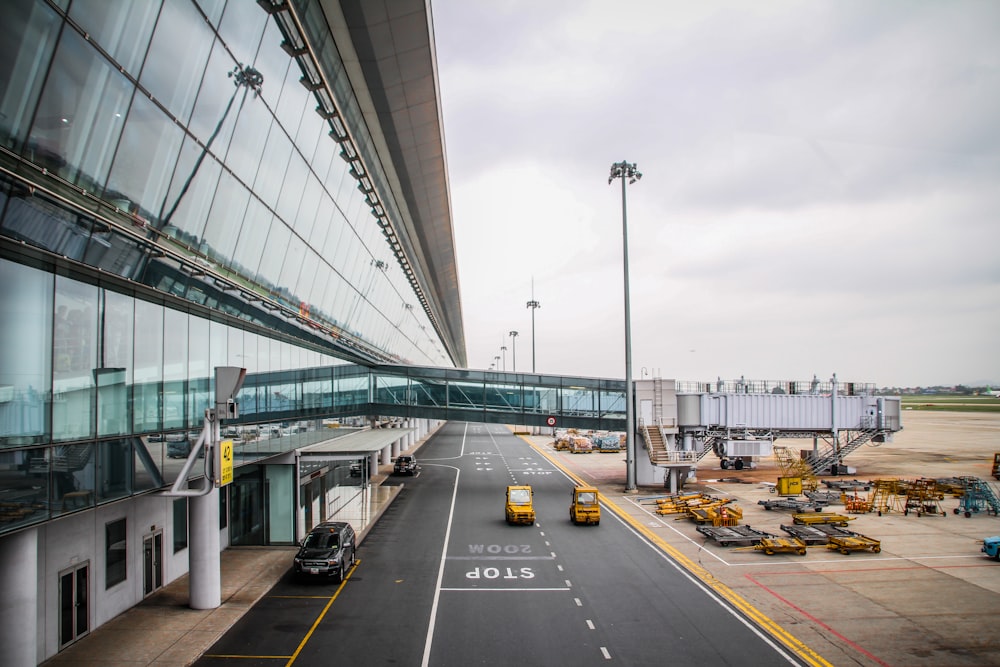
(534, 305)
(629, 174)
(503, 350)
(513, 350)
(496, 365)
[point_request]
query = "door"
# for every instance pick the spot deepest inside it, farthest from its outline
(152, 563)
(74, 604)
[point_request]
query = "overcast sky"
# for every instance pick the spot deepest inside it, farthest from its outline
(820, 191)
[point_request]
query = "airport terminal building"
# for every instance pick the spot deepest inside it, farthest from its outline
(186, 185)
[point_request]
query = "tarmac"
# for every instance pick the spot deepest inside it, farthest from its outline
(927, 598)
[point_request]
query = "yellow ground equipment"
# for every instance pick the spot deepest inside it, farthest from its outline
(829, 518)
(520, 509)
(789, 486)
(923, 497)
(781, 545)
(792, 465)
(681, 503)
(845, 544)
(719, 514)
(584, 507)
(856, 504)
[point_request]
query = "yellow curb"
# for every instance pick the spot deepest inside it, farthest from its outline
(762, 620)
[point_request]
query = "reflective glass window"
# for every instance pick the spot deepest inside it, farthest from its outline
(114, 553)
(120, 28)
(271, 174)
(241, 28)
(295, 100)
(74, 358)
(294, 255)
(114, 469)
(198, 370)
(252, 122)
(81, 114)
(218, 103)
(25, 346)
(175, 371)
(177, 57)
(190, 195)
(291, 191)
(148, 374)
(180, 524)
(26, 482)
(305, 215)
(28, 31)
(71, 469)
(114, 374)
(225, 219)
(148, 463)
(273, 63)
(145, 161)
(252, 235)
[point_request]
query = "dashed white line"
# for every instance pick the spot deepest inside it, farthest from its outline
(605, 653)
(559, 567)
(577, 601)
(590, 624)
(568, 585)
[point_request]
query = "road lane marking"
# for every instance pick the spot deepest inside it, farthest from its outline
(326, 608)
(605, 653)
(577, 601)
(444, 557)
(759, 623)
(503, 590)
(590, 624)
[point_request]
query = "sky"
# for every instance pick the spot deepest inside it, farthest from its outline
(820, 187)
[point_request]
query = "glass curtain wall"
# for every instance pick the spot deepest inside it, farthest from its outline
(184, 123)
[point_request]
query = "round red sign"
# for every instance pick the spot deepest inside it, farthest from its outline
(551, 421)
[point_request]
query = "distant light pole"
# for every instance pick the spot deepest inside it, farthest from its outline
(629, 174)
(534, 305)
(513, 349)
(496, 359)
(503, 350)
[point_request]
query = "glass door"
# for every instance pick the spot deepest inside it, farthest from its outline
(74, 604)
(152, 563)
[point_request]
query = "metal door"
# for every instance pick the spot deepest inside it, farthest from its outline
(152, 563)
(74, 603)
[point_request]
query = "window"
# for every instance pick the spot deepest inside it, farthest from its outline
(180, 524)
(115, 559)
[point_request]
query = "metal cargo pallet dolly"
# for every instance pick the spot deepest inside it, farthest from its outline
(725, 536)
(821, 518)
(813, 535)
(780, 545)
(793, 504)
(845, 544)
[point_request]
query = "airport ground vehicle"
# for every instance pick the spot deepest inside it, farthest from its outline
(405, 465)
(327, 552)
(991, 547)
(519, 509)
(584, 507)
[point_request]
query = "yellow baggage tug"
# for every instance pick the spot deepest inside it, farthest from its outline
(584, 507)
(519, 507)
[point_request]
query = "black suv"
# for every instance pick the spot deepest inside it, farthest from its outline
(328, 551)
(405, 465)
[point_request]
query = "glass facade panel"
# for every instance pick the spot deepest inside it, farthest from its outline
(144, 162)
(177, 56)
(218, 103)
(26, 302)
(28, 31)
(121, 28)
(115, 570)
(175, 358)
(74, 358)
(114, 469)
(25, 481)
(148, 374)
(72, 468)
(199, 369)
(114, 374)
(189, 198)
(223, 228)
(80, 115)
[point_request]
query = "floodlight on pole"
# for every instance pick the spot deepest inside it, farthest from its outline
(629, 174)
(503, 350)
(534, 305)
(513, 350)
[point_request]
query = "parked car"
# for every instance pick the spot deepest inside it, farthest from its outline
(356, 469)
(328, 551)
(405, 465)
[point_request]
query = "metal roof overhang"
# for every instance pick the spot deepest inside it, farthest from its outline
(353, 446)
(393, 69)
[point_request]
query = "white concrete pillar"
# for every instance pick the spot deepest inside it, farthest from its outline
(372, 465)
(19, 602)
(386, 454)
(204, 562)
(395, 448)
(673, 480)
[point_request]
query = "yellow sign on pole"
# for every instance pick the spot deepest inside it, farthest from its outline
(225, 462)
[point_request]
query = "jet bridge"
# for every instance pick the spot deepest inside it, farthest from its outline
(740, 421)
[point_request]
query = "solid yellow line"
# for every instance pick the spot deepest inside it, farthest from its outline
(771, 627)
(305, 640)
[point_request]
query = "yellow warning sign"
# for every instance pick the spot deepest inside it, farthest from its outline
(225, 462)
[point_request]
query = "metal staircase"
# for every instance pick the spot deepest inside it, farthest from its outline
(655, 445)
(832, 455)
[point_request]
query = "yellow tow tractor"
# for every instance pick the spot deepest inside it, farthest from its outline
(519, 507)
(584, 507)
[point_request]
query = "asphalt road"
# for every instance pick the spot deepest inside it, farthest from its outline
(443, 580)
